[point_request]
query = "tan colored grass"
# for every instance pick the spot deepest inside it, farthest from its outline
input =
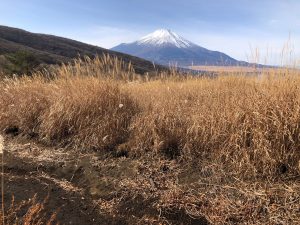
(248, 124)
(104, 67)
(1, 144)
(227, 69)
(34, 213)
(79, 112)
(234, 127)
(2, 178)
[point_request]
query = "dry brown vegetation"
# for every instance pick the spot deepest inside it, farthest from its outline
(33, 213)
(227, 69)
(233, 141)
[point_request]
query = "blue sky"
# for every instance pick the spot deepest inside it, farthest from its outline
(237, 28)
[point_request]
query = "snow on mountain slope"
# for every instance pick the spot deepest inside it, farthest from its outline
(164, 37)
(166, 47)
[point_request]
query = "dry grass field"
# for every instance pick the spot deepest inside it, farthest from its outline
(226, 69)
(164, 149)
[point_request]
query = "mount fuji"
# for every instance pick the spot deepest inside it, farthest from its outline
(168, 48)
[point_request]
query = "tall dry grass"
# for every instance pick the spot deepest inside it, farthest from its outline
(241, 134)
(249, 125)
(85, 112)
(104, 67)
(33, 212)
(2, 178)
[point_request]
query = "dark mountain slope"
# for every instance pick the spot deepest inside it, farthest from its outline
(51, 49)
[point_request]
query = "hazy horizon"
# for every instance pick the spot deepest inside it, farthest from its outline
(235, 28)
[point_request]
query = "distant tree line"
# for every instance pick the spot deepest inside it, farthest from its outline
(20, 63)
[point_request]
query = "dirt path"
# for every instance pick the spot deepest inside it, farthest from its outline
(96, 188)
(88, 188)
(27, 175)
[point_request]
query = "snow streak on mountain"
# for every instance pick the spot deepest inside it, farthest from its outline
(168, 48)
(165, 37)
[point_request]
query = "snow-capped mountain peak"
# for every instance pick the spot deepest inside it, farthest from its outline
(164, 37)
(166, 47)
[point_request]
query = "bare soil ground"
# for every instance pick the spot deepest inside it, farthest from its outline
(85, 188)
(96, 189)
